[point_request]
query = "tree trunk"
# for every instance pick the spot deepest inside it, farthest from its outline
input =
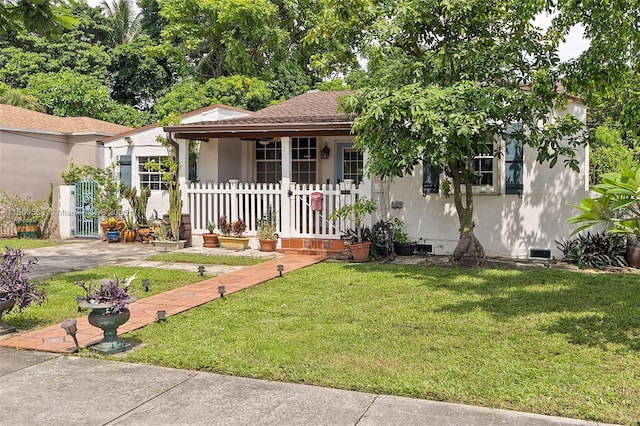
(468, 243)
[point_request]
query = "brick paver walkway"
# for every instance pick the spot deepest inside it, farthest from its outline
(143, 311)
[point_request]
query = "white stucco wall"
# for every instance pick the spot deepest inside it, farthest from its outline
(143, 144)
(506, 224)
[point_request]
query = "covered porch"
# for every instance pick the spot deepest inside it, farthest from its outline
(296, 157)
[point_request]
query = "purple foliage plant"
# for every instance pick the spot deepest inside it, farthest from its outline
(14, 283)
(114, 292)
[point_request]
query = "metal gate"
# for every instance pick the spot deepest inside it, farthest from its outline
(86, 213)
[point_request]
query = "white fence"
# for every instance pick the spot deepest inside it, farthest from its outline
(292, 203)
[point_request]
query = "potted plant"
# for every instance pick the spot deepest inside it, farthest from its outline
(231, 237)
(109, 302)
(16, 290)
(402, 246)
(356, 212)
(27, 214)
(617, 208)
(210, 240)
(113, 233)
(139, 205)
(129, 231)
(162, 240)
(266, 235)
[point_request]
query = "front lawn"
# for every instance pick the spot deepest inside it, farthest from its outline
(26, 243)
(544, 341)
(206, 259)
(61, 293)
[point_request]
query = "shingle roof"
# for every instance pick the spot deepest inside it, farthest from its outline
(19, 118)
(313, 113)
(310, 107)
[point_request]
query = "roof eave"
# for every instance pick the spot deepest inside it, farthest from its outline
(250, 131)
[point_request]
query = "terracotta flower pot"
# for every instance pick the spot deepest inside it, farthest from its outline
(360, 251)
(268, 245)
(211, 240)
(234, 243)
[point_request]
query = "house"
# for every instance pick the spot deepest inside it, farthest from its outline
(35, 148)
(297, 156)
(130, 150)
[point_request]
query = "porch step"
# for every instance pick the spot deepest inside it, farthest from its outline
(310, 246)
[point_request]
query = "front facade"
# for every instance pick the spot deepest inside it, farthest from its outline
(287, 154)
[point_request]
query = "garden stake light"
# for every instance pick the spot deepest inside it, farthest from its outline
(70, 326)
(145, 284)
(221, 290)
(201, 270)
(280, 269)
(161, 315)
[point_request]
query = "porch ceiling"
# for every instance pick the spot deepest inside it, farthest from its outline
(258, 131)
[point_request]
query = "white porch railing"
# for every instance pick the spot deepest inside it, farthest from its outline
(292, 202)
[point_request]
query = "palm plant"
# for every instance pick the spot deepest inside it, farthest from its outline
(126, 19)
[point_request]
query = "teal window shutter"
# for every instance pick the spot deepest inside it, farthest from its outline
(430, 178)
(514, 169)
(125, 170)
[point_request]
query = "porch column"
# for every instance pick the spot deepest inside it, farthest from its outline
(285, 186)
(183, 171)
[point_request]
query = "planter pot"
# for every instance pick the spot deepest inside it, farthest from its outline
(6, 306)
(105, 229)
(404, 249)
(360, 251)
(29, 230)
(113, 236)
(129, 236)
(143, 233)
(168, 246)
(268, 245)
(211, 240)
(109, 323)
(234, 243)
(633, 252)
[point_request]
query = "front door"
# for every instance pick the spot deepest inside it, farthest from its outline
(350, 163)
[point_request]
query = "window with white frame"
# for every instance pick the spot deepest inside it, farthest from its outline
(268, 162)
(352, 164)
(304, 153)
(151, 178)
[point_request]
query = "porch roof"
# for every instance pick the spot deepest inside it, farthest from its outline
(310, 114)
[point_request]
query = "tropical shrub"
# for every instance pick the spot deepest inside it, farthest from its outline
(597, 250)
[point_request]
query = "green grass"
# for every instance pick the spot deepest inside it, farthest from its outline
(62, 291)
(544, 341)
(26, 243)
(205, 259)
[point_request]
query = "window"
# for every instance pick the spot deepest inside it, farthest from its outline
(513, 160)
(151, 178)
(483, 166)
(268, 162)
(352, 164)
(304, 152)
(125, 170)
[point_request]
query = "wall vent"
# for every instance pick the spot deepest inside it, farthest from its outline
(424, 249)
(539, 253)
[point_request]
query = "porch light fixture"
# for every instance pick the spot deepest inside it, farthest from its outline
(201, 270)
(71, 327)
(145, 284)
(128, 140)
(161, 315)
(280, 269)
(221, 290)
(325, 151)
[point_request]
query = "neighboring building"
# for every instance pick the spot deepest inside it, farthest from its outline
(35, 148)
(133, 148)
(281, 155)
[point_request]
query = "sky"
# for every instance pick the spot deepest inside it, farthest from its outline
(574, 45)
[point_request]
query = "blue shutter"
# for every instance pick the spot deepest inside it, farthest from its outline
(513, 166)
(125, 170)
(430, 178)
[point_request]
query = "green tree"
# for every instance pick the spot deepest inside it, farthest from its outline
(608, 153)
(225, 37)
(125, 20)
(445, 84)
(17, 97)
(46, 18)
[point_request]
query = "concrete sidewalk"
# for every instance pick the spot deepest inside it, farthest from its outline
(38, 388)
